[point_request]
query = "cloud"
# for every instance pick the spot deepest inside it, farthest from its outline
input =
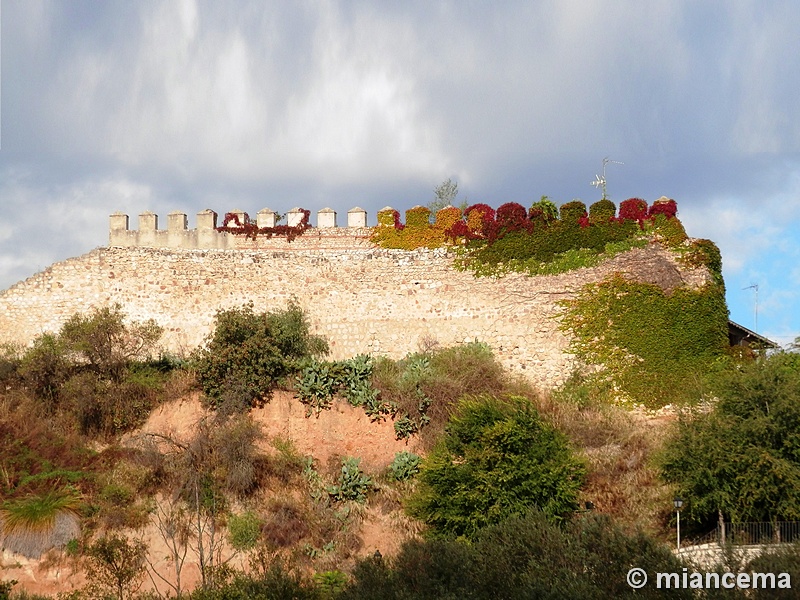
(50, 223)
(192, 104)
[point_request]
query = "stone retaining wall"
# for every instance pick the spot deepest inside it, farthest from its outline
(363, 299)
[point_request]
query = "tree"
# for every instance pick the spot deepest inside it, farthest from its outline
(521, 558)
(44, 368)
(174, 527)
(221, 458)
(250, 353)
(741, 459)
(106, 343)
(95, 369)
(497, 459)
(116, 565)
(444, 195)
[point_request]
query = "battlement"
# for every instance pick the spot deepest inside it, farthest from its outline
(207, 234)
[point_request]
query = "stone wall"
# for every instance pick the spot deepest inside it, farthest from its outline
(362, 298)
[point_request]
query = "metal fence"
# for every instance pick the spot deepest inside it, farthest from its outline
(751, 534)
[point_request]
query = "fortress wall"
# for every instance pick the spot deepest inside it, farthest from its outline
(363, 299)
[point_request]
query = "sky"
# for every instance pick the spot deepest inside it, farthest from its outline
(186, 105)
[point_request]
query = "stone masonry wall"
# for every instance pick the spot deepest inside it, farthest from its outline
(363, 299)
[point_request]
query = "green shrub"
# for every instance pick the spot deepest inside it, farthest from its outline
(571, 212)
(34, 524)
(244, 531)
(104, 409)
(497, 459)
(97, 369)
(543, 212)
(252, 353)
(518, 559)
(37, 513)
(116, 566)
(602, 211)
(742, 457)
(276, 583)
(5, 588)
(44, 368)
(330, 583)
(668, 230)
(425, 387)
(105, 342)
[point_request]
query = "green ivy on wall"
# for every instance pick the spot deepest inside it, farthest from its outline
(650, 343)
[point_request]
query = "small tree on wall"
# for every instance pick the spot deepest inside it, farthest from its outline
(444, 195)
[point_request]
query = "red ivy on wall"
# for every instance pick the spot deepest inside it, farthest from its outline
(251, 230)
(668, 208)
(633, 209)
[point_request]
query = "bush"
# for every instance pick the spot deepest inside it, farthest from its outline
(633, 209)
(44, 368)
(742, 458)
(425, 387)
(543, 212)
(94, 370)
(235, 455)
(669, 230)
(10, 355)
(276, 583)
(116, 566)
(521, 558)
(285, 525)
(244, 531)
(602, 211)
(35, 524)
(497, 459)
(252, 353)
(106, 343)
(572, 212)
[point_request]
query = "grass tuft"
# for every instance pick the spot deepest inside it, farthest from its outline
(37, 513)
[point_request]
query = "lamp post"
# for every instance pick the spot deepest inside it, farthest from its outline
(678, 502)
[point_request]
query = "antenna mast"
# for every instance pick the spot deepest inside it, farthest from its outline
(601, 181)
(754, 287)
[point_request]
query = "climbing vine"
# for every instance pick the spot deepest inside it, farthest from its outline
(250, 229)
(647, 342)
(541, 240)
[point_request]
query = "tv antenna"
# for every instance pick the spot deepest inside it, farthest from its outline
(754, 287)
(601, 181)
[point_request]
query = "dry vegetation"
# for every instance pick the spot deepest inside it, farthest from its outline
(181, 487)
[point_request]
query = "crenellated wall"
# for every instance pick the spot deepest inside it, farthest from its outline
(206, 236)
(363, 298)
